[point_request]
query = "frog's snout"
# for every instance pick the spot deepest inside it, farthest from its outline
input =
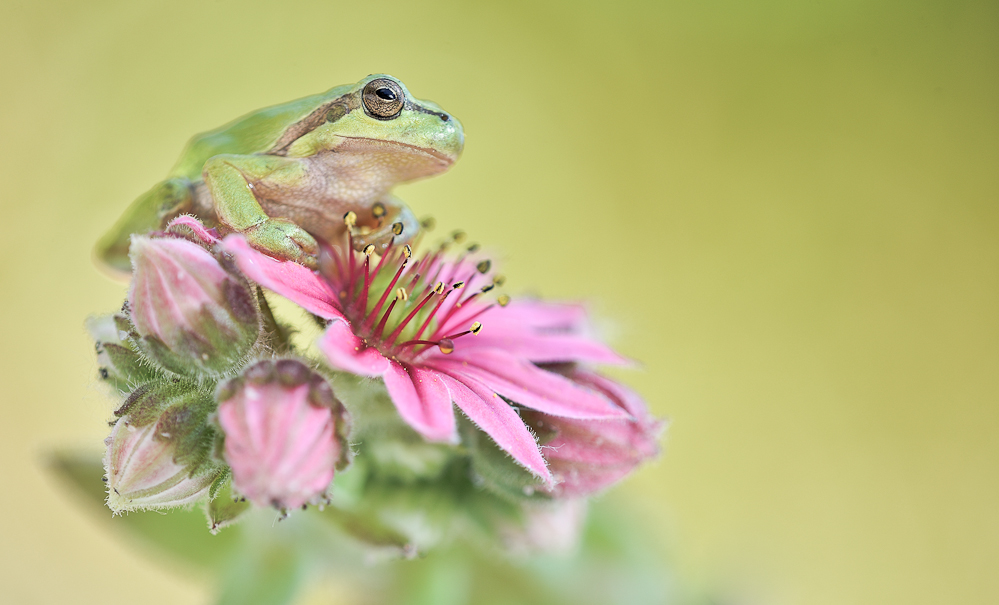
(453, 139)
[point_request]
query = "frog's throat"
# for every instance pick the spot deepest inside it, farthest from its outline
(426, 151)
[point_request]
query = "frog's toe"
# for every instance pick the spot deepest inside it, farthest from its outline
(309, 260)
(284, 240)
(305, 242)
(307, 250)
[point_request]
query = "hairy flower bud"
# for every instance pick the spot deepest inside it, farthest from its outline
(285, 433)
(158, 452)
(192, 315)
(586, 456)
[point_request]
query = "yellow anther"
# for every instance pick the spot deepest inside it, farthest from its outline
(401, 294)
(473, 248)
(397, 228)
(428, 223)
(459, 285)
(439, 288)
(499, 280)
(503, 300)
(350, 219)
(407, 251)
(487, 288)
(484, 266)
(476, 328)
(378, 209)
(446, 346)
(369, 250)
(458, 236)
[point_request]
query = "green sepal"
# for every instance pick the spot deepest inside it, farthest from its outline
(126, 368)
(275, 333)
(120, 365)
(143, 405)
(124, 324)
(223, 507)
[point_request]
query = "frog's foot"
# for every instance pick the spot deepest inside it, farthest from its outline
(284, 239)
(396, 223)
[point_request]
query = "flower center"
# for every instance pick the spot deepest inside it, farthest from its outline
(406, 306)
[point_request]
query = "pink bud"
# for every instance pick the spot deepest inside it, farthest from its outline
(143, 472)
(285, 433)
(586, 456)
(546, 527)
(192, 315)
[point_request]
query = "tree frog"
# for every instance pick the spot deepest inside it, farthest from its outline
(285, 172)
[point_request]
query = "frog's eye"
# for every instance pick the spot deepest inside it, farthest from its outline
(383, 98)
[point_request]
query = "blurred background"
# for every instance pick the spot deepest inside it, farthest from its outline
(786, 211)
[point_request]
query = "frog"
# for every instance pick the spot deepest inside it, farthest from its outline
(288, 174)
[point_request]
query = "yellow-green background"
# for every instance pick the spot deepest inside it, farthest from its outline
(786, 210)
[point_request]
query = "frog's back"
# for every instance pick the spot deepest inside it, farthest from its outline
(253, 133)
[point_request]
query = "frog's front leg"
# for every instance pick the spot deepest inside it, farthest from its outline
(231, 178)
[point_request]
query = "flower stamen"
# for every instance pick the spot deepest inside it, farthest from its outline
(402, 325)
(400, 294)
(385, 294)
(440, 302)
(474, 329)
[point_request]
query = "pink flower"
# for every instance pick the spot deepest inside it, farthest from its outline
(192, 315)
(416, 323)
(588, 456)
(285, 433)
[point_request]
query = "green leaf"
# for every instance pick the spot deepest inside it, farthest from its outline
(266, 574)
(367, 528)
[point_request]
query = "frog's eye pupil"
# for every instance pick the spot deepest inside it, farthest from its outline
(386, 94)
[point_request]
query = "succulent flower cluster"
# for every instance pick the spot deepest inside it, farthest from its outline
(219, 407)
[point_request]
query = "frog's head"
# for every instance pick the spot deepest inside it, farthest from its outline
(379, 123)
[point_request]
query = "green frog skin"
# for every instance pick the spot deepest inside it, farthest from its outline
(282, 174)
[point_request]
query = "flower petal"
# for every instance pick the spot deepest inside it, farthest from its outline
(289, 279)
(539, 331)
(347, 352)
(625, 397)
(541, 347)
(540, 315)
(497, 419)
(422, 400)
(529, 385)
